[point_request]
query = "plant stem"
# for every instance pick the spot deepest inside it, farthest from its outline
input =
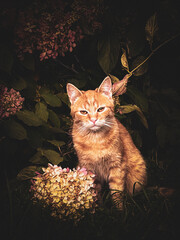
(67, 67)
(153, 51)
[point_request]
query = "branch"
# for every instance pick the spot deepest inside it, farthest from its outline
(153, 51)
(67, 67)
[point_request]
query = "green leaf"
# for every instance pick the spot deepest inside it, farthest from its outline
(28, 172)
(16, 130)
(108, 53)
(124, 60)
(142, 69)
(44, 90)
(6, 59)
(19, 84)
(53, 156)
(64, 98)
(51, 129)
(29, 118)
(54, 119)
(28, 62)
(138, 98)
(52, 99)
(37, 158)
(56, 143)
(130, 108)
(41, 111)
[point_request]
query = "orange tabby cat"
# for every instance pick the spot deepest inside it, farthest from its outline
(102, 143)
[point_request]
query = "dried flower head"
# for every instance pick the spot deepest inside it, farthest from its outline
(55, 30)
(68, 193)
(10, 102)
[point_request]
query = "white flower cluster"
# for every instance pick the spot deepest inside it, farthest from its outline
(68, 193)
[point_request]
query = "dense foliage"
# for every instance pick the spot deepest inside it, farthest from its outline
(46, 44)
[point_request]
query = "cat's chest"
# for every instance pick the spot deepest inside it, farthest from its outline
(92, 146)
(96, 151)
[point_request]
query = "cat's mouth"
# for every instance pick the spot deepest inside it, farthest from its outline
(94, 127)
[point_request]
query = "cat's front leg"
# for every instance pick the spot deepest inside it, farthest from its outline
(116, 184)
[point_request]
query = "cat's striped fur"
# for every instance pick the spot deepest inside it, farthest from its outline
(102, 143)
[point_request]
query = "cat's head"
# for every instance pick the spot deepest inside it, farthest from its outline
(92, 110)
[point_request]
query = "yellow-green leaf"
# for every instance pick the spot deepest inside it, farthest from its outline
(124, 60)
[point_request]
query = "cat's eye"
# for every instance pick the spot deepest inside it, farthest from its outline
(83, 112)
(100, 109)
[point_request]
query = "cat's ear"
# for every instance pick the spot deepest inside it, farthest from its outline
(73, 92)
(106, 87)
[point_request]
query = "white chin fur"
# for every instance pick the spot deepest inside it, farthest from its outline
(94, 128)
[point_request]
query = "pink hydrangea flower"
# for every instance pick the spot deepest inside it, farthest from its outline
(10, 102)
(55, 32)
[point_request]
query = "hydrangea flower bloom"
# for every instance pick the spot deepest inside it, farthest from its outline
(10, 102)
(68, 193)
(55, 30)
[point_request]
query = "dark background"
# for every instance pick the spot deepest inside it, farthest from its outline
(153, 214)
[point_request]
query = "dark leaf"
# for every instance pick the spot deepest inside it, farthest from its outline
(54, 119)
(108, 53)
(29, 118)
(64, 98)
(138, 98)
(19, 84)
(142, 69)
(16, 130)
(41, 111)
(56, 143)
(52, 99)
(151, 28)
(37, 158)
(52, 156)
(135, 40)
(130, 108)
(28, 172)
(34, 137)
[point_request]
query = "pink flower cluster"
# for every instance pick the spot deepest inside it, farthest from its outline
(67, 193)
(10, 102)
(53, 31)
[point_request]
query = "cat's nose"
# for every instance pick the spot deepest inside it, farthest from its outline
(93, 120)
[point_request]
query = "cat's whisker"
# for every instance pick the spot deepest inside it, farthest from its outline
(81, 129)
(108, 125)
